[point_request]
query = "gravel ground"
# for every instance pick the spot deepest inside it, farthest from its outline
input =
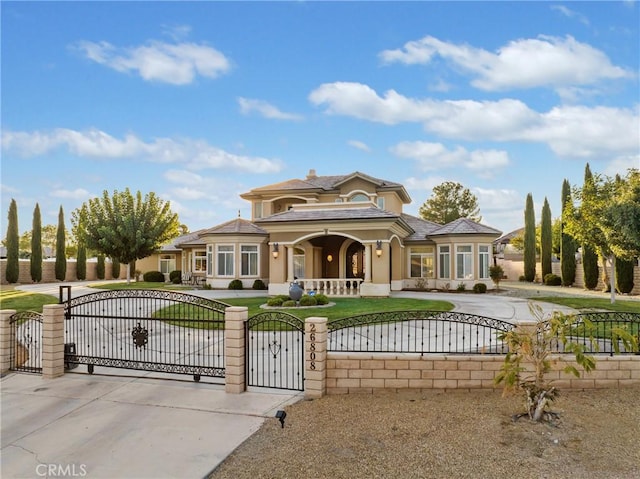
(445, 435)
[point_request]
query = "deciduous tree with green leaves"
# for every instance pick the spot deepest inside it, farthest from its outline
(12, 272)
(448, 202)
(36, 246)
(125, 227)
(546, 240)
(529, 240)
(61, 251)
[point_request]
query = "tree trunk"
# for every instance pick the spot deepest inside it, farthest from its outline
(612, 278)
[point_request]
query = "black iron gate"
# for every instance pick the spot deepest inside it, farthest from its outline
(275, 351)
(150, 330)
(25, 349)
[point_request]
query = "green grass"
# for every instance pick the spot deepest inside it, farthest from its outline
(582, 303)
(24, 301)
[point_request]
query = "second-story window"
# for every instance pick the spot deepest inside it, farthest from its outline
(359, 197)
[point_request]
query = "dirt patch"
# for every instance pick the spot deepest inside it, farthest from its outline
(438, 435)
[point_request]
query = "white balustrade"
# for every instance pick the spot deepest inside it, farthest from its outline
(331, 286)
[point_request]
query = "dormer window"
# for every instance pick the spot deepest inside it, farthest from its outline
(359, 198)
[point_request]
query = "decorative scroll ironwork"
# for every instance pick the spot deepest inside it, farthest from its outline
(25, 349)
(152, 330)
(418, 332)
(599, 337)
(275, 351)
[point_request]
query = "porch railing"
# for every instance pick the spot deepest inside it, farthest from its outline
(331, 286)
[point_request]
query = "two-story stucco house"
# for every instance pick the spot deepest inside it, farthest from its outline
(338, 235)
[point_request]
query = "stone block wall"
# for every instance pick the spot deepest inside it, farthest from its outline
(49, 271)
(348, 373)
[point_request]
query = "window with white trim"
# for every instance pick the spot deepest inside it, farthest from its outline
(422, 262)
(444, 262)
(298, 263)
(257, 210)
(226, 257)
(380, 202)
(167, 263)
(209, 260)
(464, 262)
(483, 261)
(200, 261)
(359, 197)
(248, 260)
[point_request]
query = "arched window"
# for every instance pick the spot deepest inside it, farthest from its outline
(359, 197)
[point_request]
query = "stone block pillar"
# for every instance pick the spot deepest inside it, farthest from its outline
(234, 349)
(7, 340)
(52, 341)
(315, 360)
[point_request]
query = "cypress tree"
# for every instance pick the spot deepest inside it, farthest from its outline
(590, 267)
(100, 267)
(115, 268)
(529, 240)
(567, 243)
(36, 246)
(546, 240)
(61, 254)
(13, 244)
(624, 275)
(81, 262)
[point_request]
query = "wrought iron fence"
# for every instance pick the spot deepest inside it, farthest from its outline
(596, 332)
(25, 348)
(151, 330)
(275, 351)
(418, 332)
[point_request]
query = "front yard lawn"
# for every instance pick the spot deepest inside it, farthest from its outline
(24, 301)
(582, 303)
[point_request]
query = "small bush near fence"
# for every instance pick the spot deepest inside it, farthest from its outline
(235, 284)
(307, 300)
(153, 277)
(175, 276)
(479, 288)
(552, 279)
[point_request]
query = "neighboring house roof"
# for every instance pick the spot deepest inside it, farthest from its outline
(329, 215)
(422, 228)
(236, 226)
(465, 226)
(323, 184)
(509, 236)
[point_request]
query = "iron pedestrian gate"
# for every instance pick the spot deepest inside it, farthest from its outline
(25, 348)
(275, 351)
(149, 330)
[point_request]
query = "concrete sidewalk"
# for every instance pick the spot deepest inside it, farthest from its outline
(120, 427)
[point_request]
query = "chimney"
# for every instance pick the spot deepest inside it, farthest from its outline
(312, 174)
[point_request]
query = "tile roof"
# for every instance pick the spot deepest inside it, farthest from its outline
(422, 228)
(181, 240)
(329, 214)
(465, 226)
(235, 226)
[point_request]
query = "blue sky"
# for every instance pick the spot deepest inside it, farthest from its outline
(202, 101)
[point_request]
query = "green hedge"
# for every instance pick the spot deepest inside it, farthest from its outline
(153, 277)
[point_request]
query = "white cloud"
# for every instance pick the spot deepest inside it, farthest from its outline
(567, 12)
(8, 189)
(570, 131)
(265, 109)
(544, 61)
(498, 199)
(188, 193)
(79, 194)
(194, 154)
(419, 184)
(174, 63)
(359, 145)
(183, 177)
(621, 165)
(435, 156)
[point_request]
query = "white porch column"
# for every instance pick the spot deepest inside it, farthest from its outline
(367, 262)
(289, 252)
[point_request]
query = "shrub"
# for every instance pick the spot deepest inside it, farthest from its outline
(461, 287)
(153, 277)
(521, 278)
(479, 288)
(307, 300)
(235, 284)
(289, 304)
(259, 284)
(115, 268)
(13, 245)
(321, 299)
(624, 275)
(100, 267)
(275, 301)
(175, 276)
(496, 273)
(552, 279)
